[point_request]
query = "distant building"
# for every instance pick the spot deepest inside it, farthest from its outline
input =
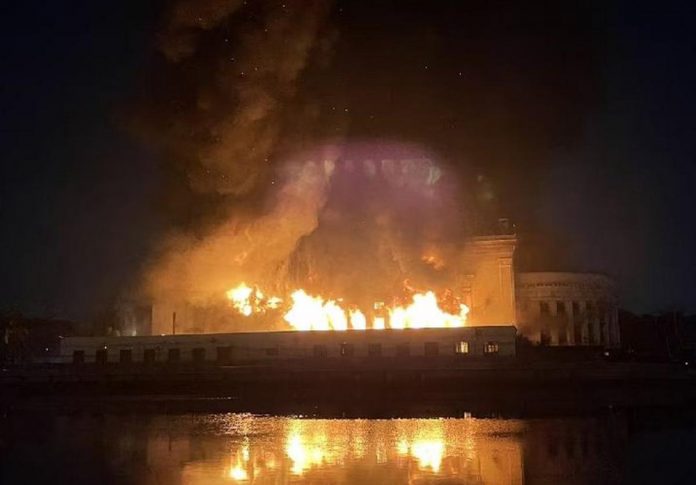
(567, 308)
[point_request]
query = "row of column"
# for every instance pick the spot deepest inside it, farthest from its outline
(571, 322)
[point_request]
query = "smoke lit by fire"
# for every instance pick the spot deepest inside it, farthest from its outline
(265, 191)
(306, 312)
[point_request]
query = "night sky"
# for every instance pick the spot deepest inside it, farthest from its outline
(578, 119)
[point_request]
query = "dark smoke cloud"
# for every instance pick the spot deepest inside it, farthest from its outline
(231, 71)
(218, 108)
(187, 20)
(242, 109)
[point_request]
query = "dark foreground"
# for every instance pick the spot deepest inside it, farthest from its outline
(179, 440)
(509, 423)
(511, 388)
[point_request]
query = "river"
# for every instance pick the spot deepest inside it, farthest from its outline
(609, 446)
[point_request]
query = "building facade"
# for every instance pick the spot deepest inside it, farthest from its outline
(487, 279)
(567, 308)
(351, 345)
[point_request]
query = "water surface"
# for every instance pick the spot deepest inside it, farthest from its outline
(228, 448)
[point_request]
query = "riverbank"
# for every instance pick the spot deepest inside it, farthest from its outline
(301, 387)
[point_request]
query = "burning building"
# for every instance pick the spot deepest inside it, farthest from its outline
(483, 293)
(549, 308)
(286, 219)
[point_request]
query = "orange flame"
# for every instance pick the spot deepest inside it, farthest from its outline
(307, 312)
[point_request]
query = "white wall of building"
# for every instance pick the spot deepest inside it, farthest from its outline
(296, 345)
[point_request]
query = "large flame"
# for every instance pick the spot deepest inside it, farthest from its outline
(308, 312)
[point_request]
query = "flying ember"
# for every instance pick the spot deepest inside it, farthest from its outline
(303, 311)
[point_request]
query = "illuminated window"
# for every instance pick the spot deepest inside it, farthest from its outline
(403, 350)
(462, 347)
(374, 350)
(432, 349)
(347, 350)
(78, 356)
(125, 356)
(320, 351)
(490, 348)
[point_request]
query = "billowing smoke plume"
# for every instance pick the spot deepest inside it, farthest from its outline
(253, 250)
(221, 95)
(393, 221)
(267, 196)
(231, 70)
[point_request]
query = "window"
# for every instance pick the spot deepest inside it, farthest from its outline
(560, 308)
(461, 348)
(601, 332)
(591, 332)
(223, 355)
(576, 308)
(432, 349)
(374, 350)
(101, 356)
(78, 357)
(347, 350)
(562, 335)
(272, 351)
(569, 445)
(589, 307)
(543, 308)
(490, 348)
(320, 351)
(545, 337)
(149, 356)
(552, 448)
(125, 356)
(577, 332)
(403, 350)
(174, 355)
(198, 354)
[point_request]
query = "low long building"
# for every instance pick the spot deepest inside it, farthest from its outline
(230, 348)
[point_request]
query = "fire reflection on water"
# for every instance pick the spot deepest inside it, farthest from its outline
(278, 450)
